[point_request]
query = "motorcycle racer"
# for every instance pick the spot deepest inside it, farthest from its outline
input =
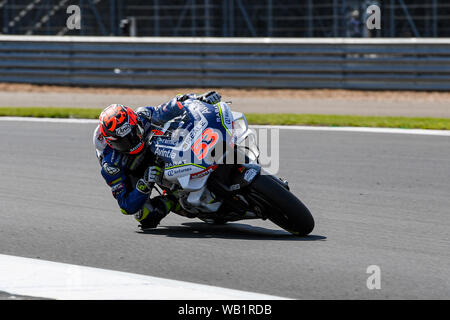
(127, 164)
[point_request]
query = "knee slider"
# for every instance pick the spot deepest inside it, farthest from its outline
(155, 207)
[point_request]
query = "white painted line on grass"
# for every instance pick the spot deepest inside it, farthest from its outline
(54, 280)
(428, 132)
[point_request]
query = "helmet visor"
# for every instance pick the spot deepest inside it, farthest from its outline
(132, 142)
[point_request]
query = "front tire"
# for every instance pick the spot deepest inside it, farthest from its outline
(281, 206)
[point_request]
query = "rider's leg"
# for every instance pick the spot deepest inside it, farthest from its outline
(153, 211)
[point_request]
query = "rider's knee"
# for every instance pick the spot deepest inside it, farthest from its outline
(156, 207)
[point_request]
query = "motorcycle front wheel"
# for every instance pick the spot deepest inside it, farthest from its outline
(281, 206)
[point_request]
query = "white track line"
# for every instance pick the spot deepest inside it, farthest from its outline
(54, 280)
(304, 128)
(362, 130)
(51, 120)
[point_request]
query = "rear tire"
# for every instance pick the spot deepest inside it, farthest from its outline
(281, 206)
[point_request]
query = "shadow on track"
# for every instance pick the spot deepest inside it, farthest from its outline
(227, 231)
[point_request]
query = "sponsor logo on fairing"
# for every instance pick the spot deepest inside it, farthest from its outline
(250, 174)
(176, 171)
(167, 153)
(178, 162)
(203, 172)
(162, 143)
(194, 134)
(227, 118)
(199, 107)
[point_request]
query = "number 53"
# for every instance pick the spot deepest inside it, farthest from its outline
(204, 143)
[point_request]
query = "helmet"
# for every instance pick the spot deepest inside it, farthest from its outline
(122, 129)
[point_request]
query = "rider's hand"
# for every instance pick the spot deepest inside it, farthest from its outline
(211, 97)
(184, 97)
(142, 187)
(153, 175)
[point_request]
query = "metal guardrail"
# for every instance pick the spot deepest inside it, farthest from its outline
(417, 64)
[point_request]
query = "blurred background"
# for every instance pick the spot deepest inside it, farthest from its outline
(227, 18)
(270, 45)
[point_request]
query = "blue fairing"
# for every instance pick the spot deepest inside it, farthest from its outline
(187, 133)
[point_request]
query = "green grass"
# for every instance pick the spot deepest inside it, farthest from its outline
(349, 121)
(255, 118)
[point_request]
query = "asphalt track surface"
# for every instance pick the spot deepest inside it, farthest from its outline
(378, 199)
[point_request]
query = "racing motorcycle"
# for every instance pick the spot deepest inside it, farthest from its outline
(211, 166)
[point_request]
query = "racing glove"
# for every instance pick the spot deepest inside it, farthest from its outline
(211, 97)
(151, 176)
(184, 97)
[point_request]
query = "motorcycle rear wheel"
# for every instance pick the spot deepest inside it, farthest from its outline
(281, 206)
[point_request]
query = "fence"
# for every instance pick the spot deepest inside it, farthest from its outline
(418, 64)
(226, 18)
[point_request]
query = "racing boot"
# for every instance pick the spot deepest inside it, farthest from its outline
(153, 211)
